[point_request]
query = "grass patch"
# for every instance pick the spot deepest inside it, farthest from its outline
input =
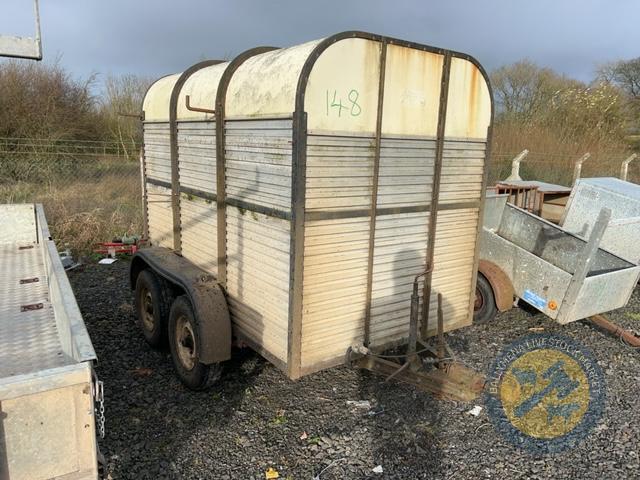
(95, 202)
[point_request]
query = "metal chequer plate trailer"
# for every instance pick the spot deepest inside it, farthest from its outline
(311, 184)
(47, 384)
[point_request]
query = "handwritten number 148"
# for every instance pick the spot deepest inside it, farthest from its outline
(335, 104)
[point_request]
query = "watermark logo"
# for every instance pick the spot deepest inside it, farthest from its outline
(545, 392)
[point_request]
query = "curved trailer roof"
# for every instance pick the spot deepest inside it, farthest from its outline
(336, 80)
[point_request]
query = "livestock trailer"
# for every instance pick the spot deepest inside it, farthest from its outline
(561, 274)
(47, 382)
(292, 195)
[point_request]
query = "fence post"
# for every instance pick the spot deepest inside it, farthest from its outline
(577, 169)
(624, 168)
(515, 166)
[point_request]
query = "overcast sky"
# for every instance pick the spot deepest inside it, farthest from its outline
(155, 37)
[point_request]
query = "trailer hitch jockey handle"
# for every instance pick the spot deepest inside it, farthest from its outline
(413, 315)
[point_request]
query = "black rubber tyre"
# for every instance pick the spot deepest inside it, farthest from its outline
(184, 342)
(484, 307)
(152, 308)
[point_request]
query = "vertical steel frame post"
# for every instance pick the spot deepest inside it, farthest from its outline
(173, 148)
(435, 193)
(374, 191)
(221, 187)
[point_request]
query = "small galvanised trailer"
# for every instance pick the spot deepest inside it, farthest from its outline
(562, 275)
(47, 383)
(292, 196)
(589, 196)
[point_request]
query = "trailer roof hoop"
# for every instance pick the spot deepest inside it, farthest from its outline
(24, 47)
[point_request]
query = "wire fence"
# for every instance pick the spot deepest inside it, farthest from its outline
(556, 168)
(91, 190)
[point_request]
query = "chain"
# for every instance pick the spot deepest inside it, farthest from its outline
(99, 397)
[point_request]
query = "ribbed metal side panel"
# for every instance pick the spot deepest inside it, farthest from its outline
(339, 178)
(461, 183)
(160, 215)
(406, 172)
(197, 173)
(156, 151)
(339, 173)
(405, 180)
(197, 155)
(199, 234)
(399, 254)
(258, 172)
(258, 162)
(462, 170)
(453, 267)
(401, 240)
(258, 248)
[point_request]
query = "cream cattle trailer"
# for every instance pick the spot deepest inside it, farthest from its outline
(292, 195)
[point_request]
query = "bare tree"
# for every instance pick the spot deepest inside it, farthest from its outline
(524, 90)
(122, 98)
(625, 75)
(44, 101)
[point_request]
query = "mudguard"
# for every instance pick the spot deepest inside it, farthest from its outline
(204, 292)
(503, 291)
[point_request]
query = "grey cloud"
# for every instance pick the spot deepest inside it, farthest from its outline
(161, 36)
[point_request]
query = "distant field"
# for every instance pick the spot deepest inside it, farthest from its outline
(86, 200)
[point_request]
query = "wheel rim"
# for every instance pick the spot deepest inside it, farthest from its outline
(186, 343)
(147, 310)
(479, 301)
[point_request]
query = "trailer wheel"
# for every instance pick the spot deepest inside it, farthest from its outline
(185, 347)
(484, 306)
(152, 309)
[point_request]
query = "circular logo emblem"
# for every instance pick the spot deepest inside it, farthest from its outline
(545, 392)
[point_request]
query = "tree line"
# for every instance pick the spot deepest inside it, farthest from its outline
(44, 101)
(534, 105)
(544, 110)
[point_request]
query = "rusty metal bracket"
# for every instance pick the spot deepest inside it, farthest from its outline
(139, 116)
(450, 380)
(29, 280)
(625, 335)
(415, 311)
(453, 382)
(31, 306)
(187, 102)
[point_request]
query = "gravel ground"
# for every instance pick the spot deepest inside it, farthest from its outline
(257, 418)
